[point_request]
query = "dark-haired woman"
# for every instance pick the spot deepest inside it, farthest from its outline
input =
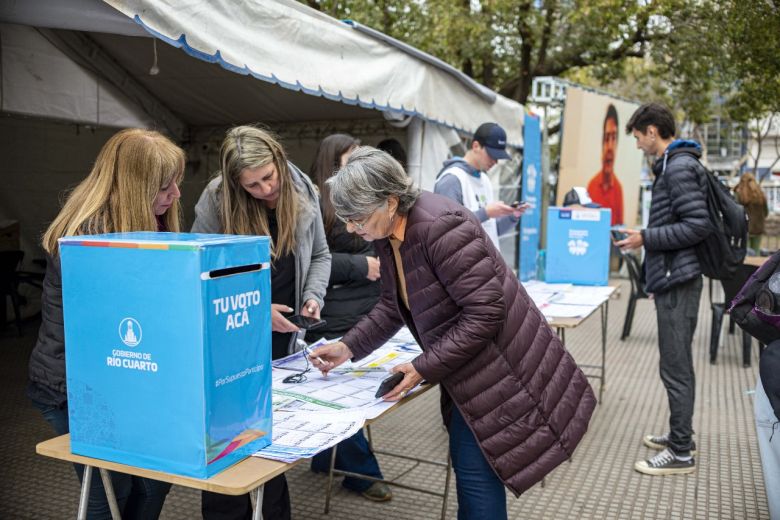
(353, 290)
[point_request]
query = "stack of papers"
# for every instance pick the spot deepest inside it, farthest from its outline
(558, 300)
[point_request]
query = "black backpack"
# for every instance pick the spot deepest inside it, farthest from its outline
(724, 249)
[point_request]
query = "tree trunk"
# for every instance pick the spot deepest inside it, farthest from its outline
(523, 89)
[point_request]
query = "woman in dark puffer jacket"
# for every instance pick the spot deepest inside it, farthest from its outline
(515, 402)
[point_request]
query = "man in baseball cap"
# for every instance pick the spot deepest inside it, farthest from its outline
(493, 139)
(463, 179)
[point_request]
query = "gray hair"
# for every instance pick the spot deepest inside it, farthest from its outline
(369, 178)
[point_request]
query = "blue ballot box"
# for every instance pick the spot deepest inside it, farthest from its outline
(168, 348)
(578, 244)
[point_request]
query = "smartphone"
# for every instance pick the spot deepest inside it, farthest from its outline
(618, 235)
(389, 383)
(521, 204)
(305, 322)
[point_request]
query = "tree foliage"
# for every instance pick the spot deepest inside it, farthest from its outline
(752, 60)
(679, 51)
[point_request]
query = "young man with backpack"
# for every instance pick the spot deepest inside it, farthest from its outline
(679, 221)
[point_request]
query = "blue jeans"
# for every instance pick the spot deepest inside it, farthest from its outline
(480, 492)
(768, 432)
(353, 454)
(138, 498)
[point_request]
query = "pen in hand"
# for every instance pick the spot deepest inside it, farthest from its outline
(308, 352)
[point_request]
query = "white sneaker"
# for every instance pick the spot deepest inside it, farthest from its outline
(665, 463)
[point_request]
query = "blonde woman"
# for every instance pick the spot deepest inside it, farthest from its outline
(750, 195)
(258, 192)
(133, 186)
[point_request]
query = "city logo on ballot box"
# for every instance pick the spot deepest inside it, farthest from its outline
(127, 332)
(131, 333)
(577, 244)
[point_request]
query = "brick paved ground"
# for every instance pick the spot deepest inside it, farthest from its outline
(598, 483)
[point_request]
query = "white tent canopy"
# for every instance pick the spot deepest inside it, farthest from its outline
(305, 50)
(281, 42)
(88, 62)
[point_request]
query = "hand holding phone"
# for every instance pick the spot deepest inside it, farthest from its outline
(389, 383)
(520, 204)
(306, 322)
(618, 235)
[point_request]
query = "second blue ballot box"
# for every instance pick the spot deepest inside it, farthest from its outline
(578, 244)
(168, 348)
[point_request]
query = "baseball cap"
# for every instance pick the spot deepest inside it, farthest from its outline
(493, 138)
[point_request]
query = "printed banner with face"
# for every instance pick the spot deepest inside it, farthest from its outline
(597, 154)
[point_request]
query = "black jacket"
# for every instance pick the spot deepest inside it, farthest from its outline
(678, 218)
(47, 361)
(350, 294)
(769, 369)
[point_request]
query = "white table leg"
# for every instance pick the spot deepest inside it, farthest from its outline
(86, 480)
(256, 496)
(110, 495)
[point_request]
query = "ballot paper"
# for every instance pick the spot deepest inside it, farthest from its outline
(298, 435)
(320, 411)
(564, 300)
(344, 388)
(584, 295)
(542, 293)
(554, 310)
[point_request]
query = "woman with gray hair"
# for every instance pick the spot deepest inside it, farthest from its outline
(521, 405)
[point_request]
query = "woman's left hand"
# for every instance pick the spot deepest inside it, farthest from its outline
(311, 309)
(411, 379)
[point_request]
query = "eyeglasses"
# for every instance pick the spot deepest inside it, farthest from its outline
(355, 223)
(359, 224)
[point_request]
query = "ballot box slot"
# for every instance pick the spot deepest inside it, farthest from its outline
(230, 271)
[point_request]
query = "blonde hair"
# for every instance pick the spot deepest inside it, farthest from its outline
(748, 190)
(118, 194)
(241, 213)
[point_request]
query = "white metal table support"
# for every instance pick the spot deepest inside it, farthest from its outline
(256, 496)
(601, 373)
(86, 481)
(448, 465)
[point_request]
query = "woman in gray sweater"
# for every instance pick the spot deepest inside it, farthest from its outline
(258, 192)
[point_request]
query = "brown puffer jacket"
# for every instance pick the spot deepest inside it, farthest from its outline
(483, 340)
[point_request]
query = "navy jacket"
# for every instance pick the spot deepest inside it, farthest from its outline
(678, 218)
